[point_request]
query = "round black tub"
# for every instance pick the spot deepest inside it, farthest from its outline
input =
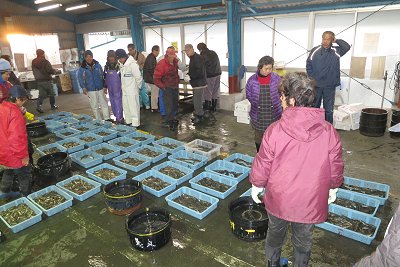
(373, 121)
(395, 120)
(248, 220)
(54, 164)
(36, 129)
(123, 197)
(149, 229)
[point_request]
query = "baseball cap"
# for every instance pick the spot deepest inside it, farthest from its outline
(121, 53)
(4, 65)
(171, 51)
(17, 91)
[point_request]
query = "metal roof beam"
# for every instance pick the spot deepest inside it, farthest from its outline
(155, 18)
(246, 4)
(187, 20)
(175, 5)
(100, 15)
(120, 6)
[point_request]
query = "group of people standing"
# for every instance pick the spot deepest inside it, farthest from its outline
(128, 76)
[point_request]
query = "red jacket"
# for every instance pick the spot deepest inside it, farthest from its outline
(4, 88)
(166, 75)
(300, 159)
(13, 136)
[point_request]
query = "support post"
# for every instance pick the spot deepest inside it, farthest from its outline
(81, 46)
(136, 24)
(234, 44)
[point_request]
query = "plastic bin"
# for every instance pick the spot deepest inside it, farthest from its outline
(54, 126)
(62, 115)
(84, 127)
(229, 182)
(123, 130)
(75, 148)
(111, 134)
(228, 166)
(194, 193)
(240, 156)
(215, 149)
(183, 154)
(25, 224)
(86, 162)
(352, 214)
(163, 153)
(159, 175)
(62, 133)
(145, 164)
(99, 123)
(48, 117)
(98, 139)
(166, 140)
(149, 138)
(91, 174)
(362, 199)
(134, 144)
(69, 121)
(83, 118)
(368, 184)
(66, 204)
(111, 155)
(85, 195)
(188, 172)
(42, 149)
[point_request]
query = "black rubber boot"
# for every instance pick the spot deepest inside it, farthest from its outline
(273, 264)
(214, 105)
(197, 119)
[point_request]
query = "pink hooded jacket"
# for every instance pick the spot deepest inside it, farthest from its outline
(300, 159)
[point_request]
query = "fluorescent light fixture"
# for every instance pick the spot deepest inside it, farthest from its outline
(49, 7)
(76, 7)
(37, 2)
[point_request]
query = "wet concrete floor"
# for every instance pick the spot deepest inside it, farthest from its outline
(88, 235)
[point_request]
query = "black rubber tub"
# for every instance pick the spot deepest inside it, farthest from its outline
(123, 197)
(149, 229)
(395, 120)
(54, 164)
(248, 220)
(373, 122)
(36, 129)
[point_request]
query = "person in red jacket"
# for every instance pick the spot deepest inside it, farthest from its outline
(299, 161)
(14, 156)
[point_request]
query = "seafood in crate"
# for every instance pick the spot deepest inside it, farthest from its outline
(202, 148)
(17, 214)
(172, 172)
(192, 202)
(242, 162)
(70, 144)
(354, 205)
(51, 150)
(87, 139)
(148, 152)
(155, 183)
(229, 173)
(351, 224)
(123, 144)
(191, 161)
(50, 200)
(82, 128)
(364, 190)
(106, 174)
(104, 151)
(210, 183)
(132, 161)
(170, 146)
(78, 186)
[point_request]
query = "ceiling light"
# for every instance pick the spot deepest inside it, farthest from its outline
(49, 7)
(76, 7)
(41, 1)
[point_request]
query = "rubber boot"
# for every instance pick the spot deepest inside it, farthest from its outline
(39, 105)
(53, 102)
(197, 119)
(214, 105)
(273, 264)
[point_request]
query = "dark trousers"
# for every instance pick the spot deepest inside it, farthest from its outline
(24, 177)
(328, 95)
(198, 100)
(258, 136)
(301, 240)
(170, 99)
(45, 90)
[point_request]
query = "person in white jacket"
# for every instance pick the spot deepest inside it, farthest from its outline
(131, 80)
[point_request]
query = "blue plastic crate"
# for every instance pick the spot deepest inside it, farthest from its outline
(85, 195)
(69, 121)
(93, 158)
(134, 144)
(188, 172)
(123, 129)
(91, 174)
(62, 114)
(99, 123)
(248, 193)
(240, 156)
(166, 140)
(352, 214)
(48, 117)
(98, 139)
(228, 166)
(84, 127)
(75, 148)
(194, 193)
(42, 149)
(214, 149)
(25, 224)
(163, 153)
(183, 154)
(66, 204)
(54, 126)
(229, 182)
(145, 164)
(111, 133)
(61, 133)
(362, 199)
(83, 118)
(111, 155)
(368, 184)
(161, 176)
(149, 138)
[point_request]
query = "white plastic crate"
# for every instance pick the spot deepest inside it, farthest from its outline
(245, 120)
(215, 149)
(240, 113)
(243, 105)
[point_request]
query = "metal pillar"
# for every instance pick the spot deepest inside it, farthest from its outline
(136, 24)
(234, 44)
(81, 46)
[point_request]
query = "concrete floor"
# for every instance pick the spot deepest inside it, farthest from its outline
(88, 235)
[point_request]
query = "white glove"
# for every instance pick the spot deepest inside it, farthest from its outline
(186, 78)
(254, 193)
(332, 195)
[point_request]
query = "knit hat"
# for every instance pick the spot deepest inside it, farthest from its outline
(4, 65)
(111, 53)
(171, 51)
(88, 53)
(17, 91)
(121, 53)
(39, 52)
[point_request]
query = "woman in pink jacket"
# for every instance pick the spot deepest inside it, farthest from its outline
(300, 159)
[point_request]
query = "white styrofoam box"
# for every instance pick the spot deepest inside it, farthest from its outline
(355, 126)
(342, 125)
(340, 115)
(354, 110)
(34, 93)
(240, 113)
(243, 105)
(245, 120)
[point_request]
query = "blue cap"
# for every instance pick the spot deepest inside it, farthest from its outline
(121, 53)
(17, 91)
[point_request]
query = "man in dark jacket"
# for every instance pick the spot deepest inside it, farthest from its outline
(148, 72)
(42, 71)
(197, 73)
(213, 68)
(323, 64)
